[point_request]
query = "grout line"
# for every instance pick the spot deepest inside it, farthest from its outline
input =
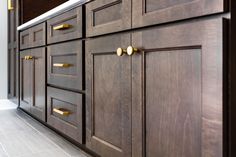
(49, 140)
(4, 150)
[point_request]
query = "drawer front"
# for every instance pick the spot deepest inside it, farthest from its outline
(65, 27)
(25, 39)
(107, 16)
(65, 68)
(65, 112)
(150, 12)
(33, 37)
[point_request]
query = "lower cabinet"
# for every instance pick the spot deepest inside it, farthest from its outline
(32, 82)
(65, 112)
(163, 97)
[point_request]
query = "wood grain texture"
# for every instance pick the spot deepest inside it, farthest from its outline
(150, 12)
(33, 83)
(107, 16)
(73, 18)
(33, 37)
(108, 102)
(70, 125)
(178, 80)
(66, 53)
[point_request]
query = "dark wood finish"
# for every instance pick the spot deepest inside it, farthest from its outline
(66, 77)
(108, 99)
(177, 90)
(13, 22)
(30, 9)
(149, 12)
(107, 16)
(32, 85)
(33, 37)
(73, 18)
(72, 124)
(25, 81)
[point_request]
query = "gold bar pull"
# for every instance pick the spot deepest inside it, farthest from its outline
(10, 5)
(61, 65)
(28, 57)
(61, 111)
(62, 27)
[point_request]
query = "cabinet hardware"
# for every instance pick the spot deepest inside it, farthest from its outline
(131, 50)
(61, 65)
(61, 111)
(10, 5)
(120, 52)
(28, 57)
(62, 27)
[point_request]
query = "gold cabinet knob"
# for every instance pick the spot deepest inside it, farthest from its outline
(120, 52)
(131, 50)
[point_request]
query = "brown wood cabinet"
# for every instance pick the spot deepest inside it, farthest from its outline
(107, 16)
(108, 97)
(66, 26)
(32, 84)
(65, 65)
(65, 112)
(168, 95)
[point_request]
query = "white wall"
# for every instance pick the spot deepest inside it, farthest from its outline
(3, 49)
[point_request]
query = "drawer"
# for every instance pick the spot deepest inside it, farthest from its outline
(66, 26)
(33, 37)
(150, 12)
(107, 16)
(65, 65)
(65, 112)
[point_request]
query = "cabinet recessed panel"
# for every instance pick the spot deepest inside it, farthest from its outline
(173, 103)
(107, 16)
(108, 97)
(151, 12)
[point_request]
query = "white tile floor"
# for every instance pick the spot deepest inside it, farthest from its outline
(22, 136)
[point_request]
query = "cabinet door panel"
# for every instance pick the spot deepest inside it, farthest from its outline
(177, 91)
(26, 81)
(107, 16)
(38, 87)
(149, 12)
(108, 97)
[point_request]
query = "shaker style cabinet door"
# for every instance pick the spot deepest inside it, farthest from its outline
(25, 81)
(178, 102)
(107, 16)
(32, 82)
(108, 97)
(149, 12)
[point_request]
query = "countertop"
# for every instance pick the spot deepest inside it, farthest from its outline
(51, 13)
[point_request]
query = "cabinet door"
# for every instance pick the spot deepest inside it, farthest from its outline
(149, 12)
(178, 91)
(38, 83)
(25, 81)
(107, 16)
(108, 98)
(32, 87)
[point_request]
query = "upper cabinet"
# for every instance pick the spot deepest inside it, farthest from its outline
(109, 16)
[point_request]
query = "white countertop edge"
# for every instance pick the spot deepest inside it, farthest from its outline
(61, 8)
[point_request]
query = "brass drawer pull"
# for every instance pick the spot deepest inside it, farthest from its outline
(10, 5)
(29, 57)
(61, 65)
(61, 111)
(62, 27)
